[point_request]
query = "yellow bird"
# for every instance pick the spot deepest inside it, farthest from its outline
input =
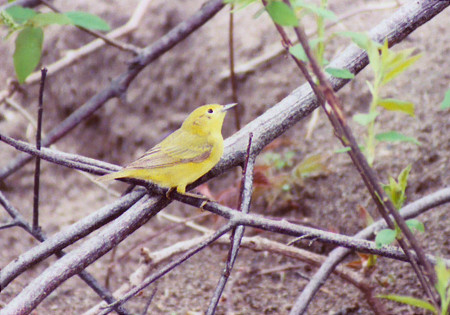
(185, 155)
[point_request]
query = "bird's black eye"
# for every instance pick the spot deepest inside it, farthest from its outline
(210, 111)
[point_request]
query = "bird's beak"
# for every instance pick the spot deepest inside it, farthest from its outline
(228, 106)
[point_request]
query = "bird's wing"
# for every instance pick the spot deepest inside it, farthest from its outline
(173, 150)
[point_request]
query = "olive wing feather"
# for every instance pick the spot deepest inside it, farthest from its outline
(175, 149)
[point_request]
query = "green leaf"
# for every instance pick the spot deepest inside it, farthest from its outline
(365, 119)
(394, 136)
(394, 192)
(371, 89)
(346, 149)
(446, 102)
(282, 14)
(20, 15)
(374, 58)
(360, 39)
(87, 20)
(343, 150)
(310, 165)
(409, 300)
(397, 105)
(239, 4)
(403, 177)
(43, 19)
(415, 225)
(385, 237)
(298, 52)
(399, 67)
(28, 51)
(340, 73)
(7, 19)
(319, 11)
(326, 14)
(443, 284)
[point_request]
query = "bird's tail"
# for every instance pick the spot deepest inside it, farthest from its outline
(109, 177)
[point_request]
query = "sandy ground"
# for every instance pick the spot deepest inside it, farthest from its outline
(156, 104)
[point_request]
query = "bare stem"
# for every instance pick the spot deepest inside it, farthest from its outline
(37, 171)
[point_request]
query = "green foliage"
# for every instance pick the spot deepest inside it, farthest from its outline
(386, 65)
(279, 161)
(20, 15)
(362, 40)
(397, 105)
(415, 225)
(395, 190)
(442, 287)
(28, 51)
(340, 73)
(343, 150)
(282, 14)
(394, 136)
(29, 24)
(88, 21)
(409, 300)
(239, 4)
(385, 237)
(298, 52)
(446, 102)
(310, 165)
(365, 119)
(44, 19)
(314, 9)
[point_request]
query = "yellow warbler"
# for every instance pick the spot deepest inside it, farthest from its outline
(185, 155)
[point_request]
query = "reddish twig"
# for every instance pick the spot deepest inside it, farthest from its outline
(237, 109)
(37, 171)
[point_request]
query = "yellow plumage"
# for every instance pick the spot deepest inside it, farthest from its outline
(185, 155)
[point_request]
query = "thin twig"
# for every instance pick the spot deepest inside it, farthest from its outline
(238, 232)
(178, 221)
(11, 224)
(37, 170)
(171, 266)
(237, 109)
(115, 43)
(147, 305)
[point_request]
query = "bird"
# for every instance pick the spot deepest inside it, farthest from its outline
(183, 156)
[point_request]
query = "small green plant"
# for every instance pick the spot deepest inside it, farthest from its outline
(442, 287)
(446, 102)
(386, 65)
(284, 15)
(30, 24)
(395, 190)
(282, 175)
